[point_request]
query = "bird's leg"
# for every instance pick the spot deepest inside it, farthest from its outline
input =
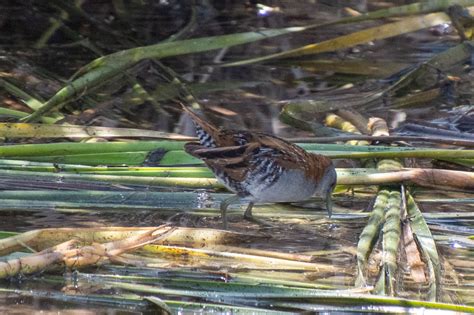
(248, 216)
(329, 203)
(248, 211)
(224, 205)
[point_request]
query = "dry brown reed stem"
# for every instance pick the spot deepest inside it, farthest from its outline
(357, 119)
(432, 178)
(378, 127)
(445, 140)
(414, 261)
(41, 239)
(72, 255)
(99, 253)
(336, 121)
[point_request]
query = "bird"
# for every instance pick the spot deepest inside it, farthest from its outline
(259, 167)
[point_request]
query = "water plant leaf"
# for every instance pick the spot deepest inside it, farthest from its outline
(296, 112)
(427, 245)
(404, 10)
(28, 99)
(371, 68)
(315, 297)
(6, 112)
(412, 253)
(391, 239)
(70, 148)
(406, 25)
(168, 153)
(162, 306)
(100, 70)
(42, 239)
(251, 261)
(369, 236)
(26, 130)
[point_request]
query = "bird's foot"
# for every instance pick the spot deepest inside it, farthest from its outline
(259, 221)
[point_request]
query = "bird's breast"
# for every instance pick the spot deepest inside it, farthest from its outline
(286, 186)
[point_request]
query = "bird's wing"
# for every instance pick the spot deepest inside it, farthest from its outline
(286, 154)
(233, 161)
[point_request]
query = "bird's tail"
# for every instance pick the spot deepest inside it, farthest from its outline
(204, 130)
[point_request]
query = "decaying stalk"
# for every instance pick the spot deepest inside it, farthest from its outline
(74, 255)
(389, 227)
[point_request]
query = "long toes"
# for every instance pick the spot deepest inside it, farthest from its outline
(259, 221)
